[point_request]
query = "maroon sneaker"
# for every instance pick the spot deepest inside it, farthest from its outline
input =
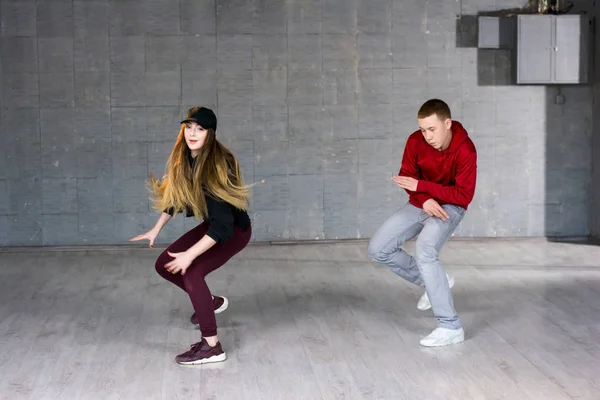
(220, 304)
(201, 353)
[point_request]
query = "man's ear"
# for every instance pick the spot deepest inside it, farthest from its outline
(448, 123)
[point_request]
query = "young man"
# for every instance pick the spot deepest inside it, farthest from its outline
(439, 171)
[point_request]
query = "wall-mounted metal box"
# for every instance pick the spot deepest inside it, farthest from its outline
(553, 49)
(496, 32)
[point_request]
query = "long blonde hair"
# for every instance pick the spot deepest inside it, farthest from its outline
(216, 172)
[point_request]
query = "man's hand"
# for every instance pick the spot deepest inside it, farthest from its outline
(433, 208)
(406, 182)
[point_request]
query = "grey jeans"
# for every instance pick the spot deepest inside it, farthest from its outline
(424, 269)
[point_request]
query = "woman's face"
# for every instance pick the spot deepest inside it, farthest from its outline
(195, 135)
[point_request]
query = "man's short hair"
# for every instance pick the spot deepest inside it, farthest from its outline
(434, 106)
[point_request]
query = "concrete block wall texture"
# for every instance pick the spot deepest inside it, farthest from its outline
(316, 97)
(595, 145)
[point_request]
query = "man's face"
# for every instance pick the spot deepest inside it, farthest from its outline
(436, 131)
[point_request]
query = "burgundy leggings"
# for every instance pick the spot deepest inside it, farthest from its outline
(193, 282)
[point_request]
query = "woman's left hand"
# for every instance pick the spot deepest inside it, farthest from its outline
(180, 263)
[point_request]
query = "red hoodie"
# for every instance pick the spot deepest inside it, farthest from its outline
(446, 176)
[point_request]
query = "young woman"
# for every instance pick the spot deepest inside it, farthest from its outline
(203, 178)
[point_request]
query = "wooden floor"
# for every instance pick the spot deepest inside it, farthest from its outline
(305, 322)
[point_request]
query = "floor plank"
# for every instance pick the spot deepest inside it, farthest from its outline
(315, 321)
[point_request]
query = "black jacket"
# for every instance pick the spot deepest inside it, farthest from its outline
(222, 217)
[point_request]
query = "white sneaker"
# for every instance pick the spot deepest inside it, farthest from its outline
(443, 337)
(424, 303)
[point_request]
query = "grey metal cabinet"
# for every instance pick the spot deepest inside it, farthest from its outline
(552, 49)
(572, 49)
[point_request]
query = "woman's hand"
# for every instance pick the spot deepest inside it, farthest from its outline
(151, 235)
(180, 263)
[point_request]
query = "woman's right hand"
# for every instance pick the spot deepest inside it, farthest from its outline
(151, 235)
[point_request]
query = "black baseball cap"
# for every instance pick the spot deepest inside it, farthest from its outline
(205, 117)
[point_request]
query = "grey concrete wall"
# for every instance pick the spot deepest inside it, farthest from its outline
(595, 145)
(317, 97)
